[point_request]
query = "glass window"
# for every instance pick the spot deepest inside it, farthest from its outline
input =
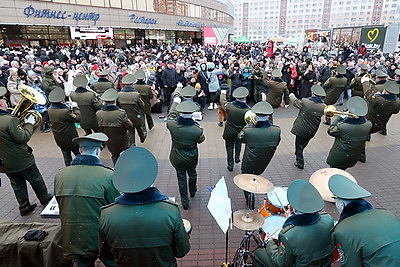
(150, 5)
(119, 34)
(141, 5)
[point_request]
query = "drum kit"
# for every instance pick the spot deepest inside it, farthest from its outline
(269, 218)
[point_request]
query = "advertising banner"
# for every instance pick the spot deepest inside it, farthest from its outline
(373, 37)
(215, 36)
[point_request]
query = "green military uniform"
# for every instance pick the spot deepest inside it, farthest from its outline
(81, 190)
(364, 236)
(142, 228)
(258, 82)
(185, 135)
(356, 85)
(350, 136)
(277, 89)
(146, 95)
(305, 239)
(130, 100)
(381, 106)
(308, 120)
(234, 124)
(48, 82)
(114, 122)
(334, 86)
(88, 104)
(63, 121)
(18, 162)
(184, 94)
(102, 83)
(380, 85)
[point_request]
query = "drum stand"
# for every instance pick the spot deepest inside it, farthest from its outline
(243, 252)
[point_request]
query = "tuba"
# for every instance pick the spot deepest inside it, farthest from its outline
(250, 118)
(369, 76)
(331, 111)
(29, 97)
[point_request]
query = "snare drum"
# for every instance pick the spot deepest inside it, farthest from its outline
(273, 225)
(276, 200)
(187, 225)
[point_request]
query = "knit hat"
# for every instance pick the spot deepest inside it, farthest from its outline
(31, 73)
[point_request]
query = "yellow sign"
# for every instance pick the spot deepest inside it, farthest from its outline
(373, 34)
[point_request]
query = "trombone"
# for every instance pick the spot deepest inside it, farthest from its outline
(330, 111)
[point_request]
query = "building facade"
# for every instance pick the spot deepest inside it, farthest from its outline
(117, 22)
(266, 19)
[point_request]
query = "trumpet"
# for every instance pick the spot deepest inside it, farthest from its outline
(330, 111)
(250, 118)
(29, 97)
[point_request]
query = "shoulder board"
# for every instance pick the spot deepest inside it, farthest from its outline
(170, 202)
(109, 205)
(287, 228)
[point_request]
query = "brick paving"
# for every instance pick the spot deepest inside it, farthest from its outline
(380, 175)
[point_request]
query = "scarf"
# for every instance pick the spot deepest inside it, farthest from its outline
(146, 196)
(302, 219)
(355, 207)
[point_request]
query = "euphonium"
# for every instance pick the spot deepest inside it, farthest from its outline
(29, 97)
(250, 118)
(331, 111)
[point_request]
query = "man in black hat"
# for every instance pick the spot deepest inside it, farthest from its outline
(63, 119)
(114, 122)
(364, 235)
(17, 160)
(142, 228)
(234, 123)
(130, 100)
(170, 80)
(305, 238)
(261, 139)
(81, 189)
(88, 104)
(146, 94)
(356, 84)
(308, 120)
(102, 83)
(48, 81)
(186, 133)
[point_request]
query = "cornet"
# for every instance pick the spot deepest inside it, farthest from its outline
(330, 111)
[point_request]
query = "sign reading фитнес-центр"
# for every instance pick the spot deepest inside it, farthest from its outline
(30, 11)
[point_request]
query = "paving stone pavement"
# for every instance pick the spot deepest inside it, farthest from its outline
(379, 175)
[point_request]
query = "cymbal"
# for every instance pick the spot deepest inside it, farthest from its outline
(320, 179)
(253, 183)
(247, 220)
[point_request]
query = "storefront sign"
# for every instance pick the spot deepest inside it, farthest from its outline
(215, 36)
(30, 11)
(373, 37)
(144, 20)
(190, 24)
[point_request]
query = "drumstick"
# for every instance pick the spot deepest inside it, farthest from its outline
(275, 231)
(281, 203)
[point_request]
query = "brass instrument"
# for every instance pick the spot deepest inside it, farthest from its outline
(29, 97)
(369, 77)
(330, 111)
(333, 73)
(250, 118)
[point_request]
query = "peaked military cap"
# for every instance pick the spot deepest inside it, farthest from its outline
(392, 87)
(187, 91)
(380, 74)
(92, 140)
(303, 196)
(262, 108)
(3, 91)
(109, 95)
(276, 73)
(364, 66)
(341, 187)
(47, 70)
(318, 90)
(56, 95)
(129, 79)
(104, 72)
(240, 92)
(397, 72)
(357, 106)
(135, 170)
(187, 107)
(140, 75)
(80, 81)
(341, 69)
